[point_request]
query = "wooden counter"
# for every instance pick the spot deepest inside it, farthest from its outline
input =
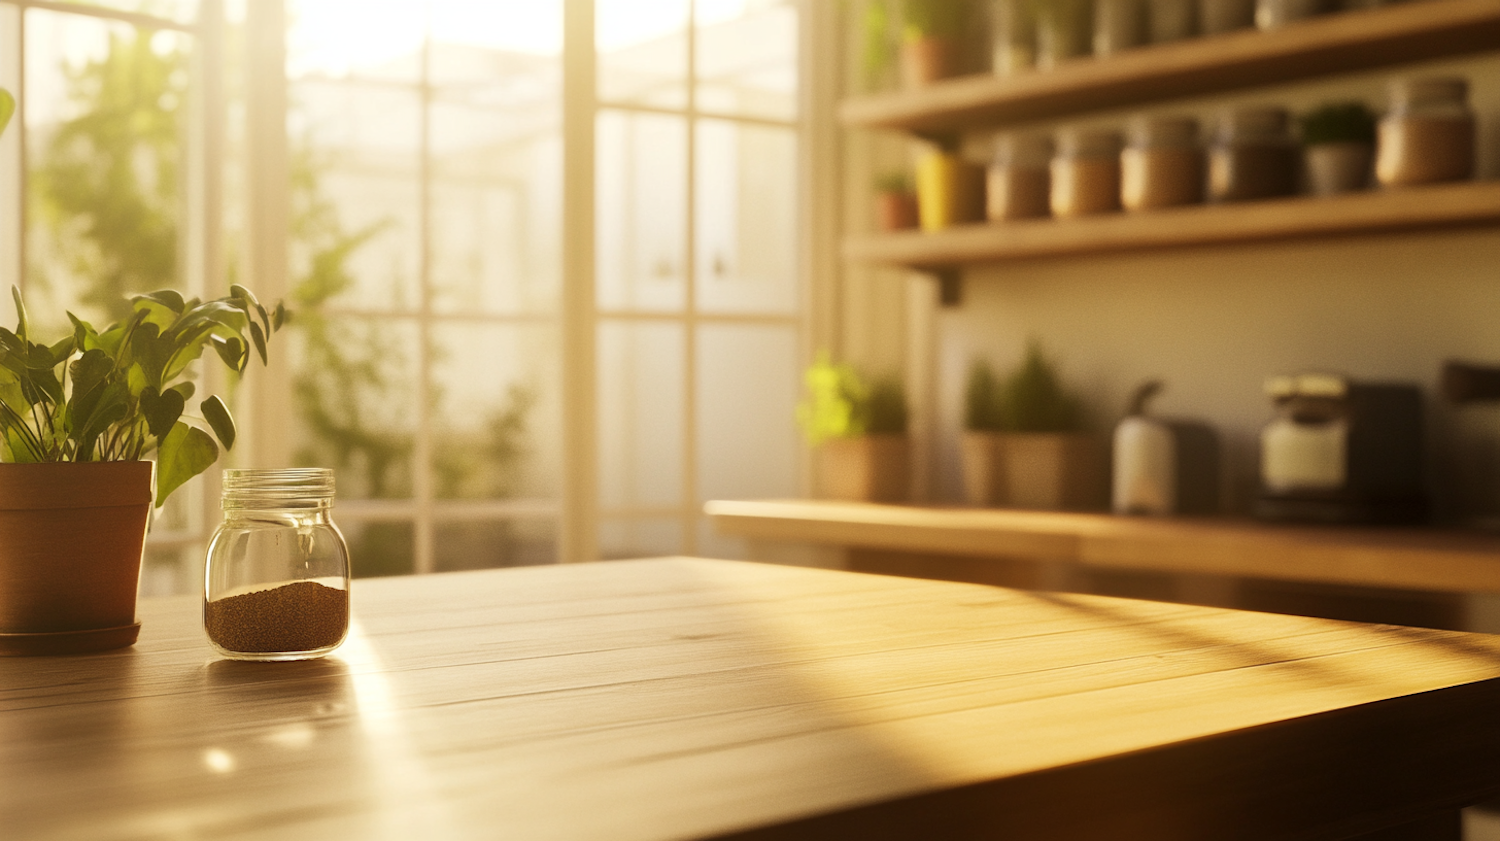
(680, 699)
(1402, 558)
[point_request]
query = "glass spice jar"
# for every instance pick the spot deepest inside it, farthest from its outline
(276, 585)
(1163, 164)
(1086, 172)
(1018, 180)
(1253, 155)
(1427, 135)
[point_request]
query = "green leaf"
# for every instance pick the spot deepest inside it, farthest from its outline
(84, 334)
(185, 389)
(90, 372)
(278, 316)
(260, 341)
(169, 298)
(161, 410)
(218, 417)
(109, 409)
(7, 108)
(232, 351)
(183, 454)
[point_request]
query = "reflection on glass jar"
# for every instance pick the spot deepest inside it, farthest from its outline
(1163, 165)
(1086, 172)
(1018, 179)
(276, 585)
(1253, 156)
(1427, 135)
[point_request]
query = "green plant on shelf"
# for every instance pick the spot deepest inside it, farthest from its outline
(1031, 399)
(893, 181)
(1339, 122)
(839, 404)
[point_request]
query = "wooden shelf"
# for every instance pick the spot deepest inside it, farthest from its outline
(1416, 559)
(1337, 43)
(1377, 211)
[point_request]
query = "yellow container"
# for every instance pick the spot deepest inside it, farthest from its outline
(950, 191)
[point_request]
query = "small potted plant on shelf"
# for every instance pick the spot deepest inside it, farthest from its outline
(1023, 446)
(1338, 142)
(895, 203)
(858, 431)
(931, 40)
(78, 418)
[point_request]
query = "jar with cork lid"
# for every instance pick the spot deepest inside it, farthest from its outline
(1427, 136)
(1253, 155)
(1085, 172)
(276, 584)
(1162, 165)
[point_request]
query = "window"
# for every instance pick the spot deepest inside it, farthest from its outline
(403, 186)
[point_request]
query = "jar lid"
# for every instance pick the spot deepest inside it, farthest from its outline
(1023, 149)
(278, 484)
(1163, 131)
(1431, 90)
(1088, 142)
(1261, 122)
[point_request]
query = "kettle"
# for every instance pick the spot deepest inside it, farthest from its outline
(1163, 466)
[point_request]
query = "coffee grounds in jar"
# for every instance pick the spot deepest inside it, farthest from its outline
(302, 616)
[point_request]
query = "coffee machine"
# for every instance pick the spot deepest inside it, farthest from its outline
(1342, 451)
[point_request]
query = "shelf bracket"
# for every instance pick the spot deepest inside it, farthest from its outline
(950, 287)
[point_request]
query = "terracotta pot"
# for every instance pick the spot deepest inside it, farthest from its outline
(926, 59)
(870, 468)
(895, 211)
(1055, 471)
(71, 540)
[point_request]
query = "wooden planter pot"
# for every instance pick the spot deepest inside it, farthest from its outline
(71, 539)
(1055, 471)
(871, 468)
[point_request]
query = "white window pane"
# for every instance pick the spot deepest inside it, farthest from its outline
(368, 39)
(495, 412)
(496, 210)
(180, 11)
(355, 383)
(641, 423)
(642, 56)
(10, 164)
(747, 58)
(641, 211)
(747, 393)
(106, 108)
(513, 28)
(639, 537)
(746, 215)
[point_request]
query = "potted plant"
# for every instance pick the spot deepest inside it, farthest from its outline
(931, 46)
(1024, 447)
(895, 203)
(78, 416)
(859, 433)
(1338, 142)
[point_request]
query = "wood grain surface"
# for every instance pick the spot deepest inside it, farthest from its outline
(1365, 213)
(1232, 61)
(685, 699)
(1409, 558)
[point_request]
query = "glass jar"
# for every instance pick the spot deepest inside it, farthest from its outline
(1018, 179)
(1086, 172)
(1013, 28)
(276, 585)
(1427, 135)
(1118, 25)
(1163, 164)
(1253, 155)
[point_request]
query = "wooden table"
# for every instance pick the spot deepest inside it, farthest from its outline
(683, 699)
